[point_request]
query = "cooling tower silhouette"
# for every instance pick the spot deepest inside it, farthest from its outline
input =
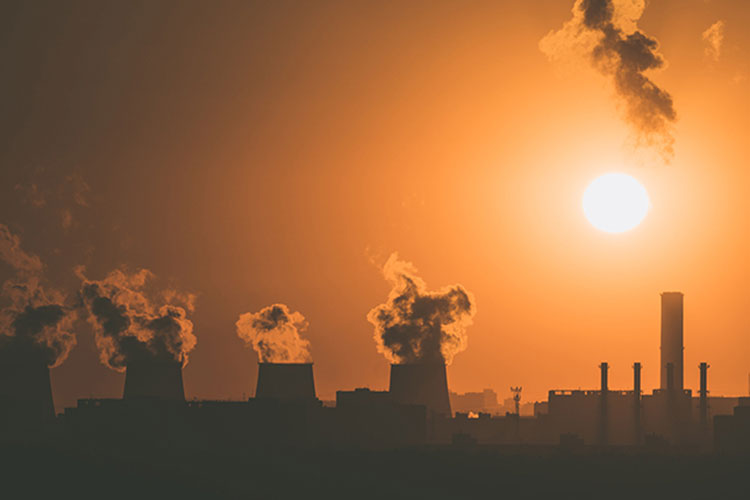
(153, 378)
(25, 390)
(288, 381)
(421, 384)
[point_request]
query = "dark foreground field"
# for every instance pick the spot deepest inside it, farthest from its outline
(52, 471)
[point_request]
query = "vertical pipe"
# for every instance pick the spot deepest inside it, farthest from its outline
(603, 414)
(637, 402)
(704, 397)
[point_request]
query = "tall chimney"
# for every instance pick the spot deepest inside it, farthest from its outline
(672, 338)
(638, 428)
(285, 381)
(703, 405)
(154, 378)
(25, 389)
(603, 414)
(670, 377)
(421, 384)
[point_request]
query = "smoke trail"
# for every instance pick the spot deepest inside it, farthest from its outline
(12, 254)
(35, 318)
(274, 333)
(714, 38)
(130, 326)
(606, 31)
(416, 325)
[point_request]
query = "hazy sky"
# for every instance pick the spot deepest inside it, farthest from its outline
(278, 152)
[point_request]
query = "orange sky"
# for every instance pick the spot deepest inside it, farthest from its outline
(269, 152)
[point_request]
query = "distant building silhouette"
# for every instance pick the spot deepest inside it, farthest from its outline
(732, 432)
(477, 402)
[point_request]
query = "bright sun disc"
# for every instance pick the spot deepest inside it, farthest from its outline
(615, 203)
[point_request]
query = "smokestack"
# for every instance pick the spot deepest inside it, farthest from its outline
(671, 339)
(154, 378)
(670, 377)
(25, 390)
(637, 402)
(285, 381)
(603, 416)
(421, 384)
(704, 397)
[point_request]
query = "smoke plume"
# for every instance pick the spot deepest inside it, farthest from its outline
(274, 333)
(714, 38)
(606, 32)
(416, 325)
(35, 319)
(13, 255)
(130, 325)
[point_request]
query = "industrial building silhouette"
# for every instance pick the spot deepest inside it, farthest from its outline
(415, 411)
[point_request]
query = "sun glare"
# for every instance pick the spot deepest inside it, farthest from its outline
(615, 203)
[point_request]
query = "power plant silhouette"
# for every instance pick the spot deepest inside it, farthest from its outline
(416, 409)
(286, 381)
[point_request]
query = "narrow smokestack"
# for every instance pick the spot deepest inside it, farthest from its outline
(155, 379)
(704, 397)
(421, 384)
(604, 414)
(672, 338)
(25, 390)
(637, 403)
(285, 381)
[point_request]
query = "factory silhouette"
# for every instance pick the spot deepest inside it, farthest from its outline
(416, 410)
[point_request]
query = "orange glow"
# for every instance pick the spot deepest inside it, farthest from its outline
(284, 154)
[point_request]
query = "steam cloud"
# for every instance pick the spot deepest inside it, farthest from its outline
(714, 37)
(130, 326)
(274, 333)
(36, 318)
(416, 325)
(606, 31)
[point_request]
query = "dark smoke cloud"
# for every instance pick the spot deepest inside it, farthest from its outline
(274, 333)
(35, 319)
(130, 326)
(606, 31)
(416, 325)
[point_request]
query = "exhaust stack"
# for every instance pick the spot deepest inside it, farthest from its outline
(672, 340)
(703, 405)
(603, 411)
(637, 403)
(285, 381)
(421, 384)
(151, 378)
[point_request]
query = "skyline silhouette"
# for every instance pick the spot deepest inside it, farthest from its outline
(353, 248)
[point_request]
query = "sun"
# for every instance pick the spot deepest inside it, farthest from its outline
(615, 203)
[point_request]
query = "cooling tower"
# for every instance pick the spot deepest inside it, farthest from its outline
(25, 390)
(671, 339)
(286, 381)
(153, 378)
(421, 384)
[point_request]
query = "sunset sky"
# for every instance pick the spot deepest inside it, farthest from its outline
(254, 153)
